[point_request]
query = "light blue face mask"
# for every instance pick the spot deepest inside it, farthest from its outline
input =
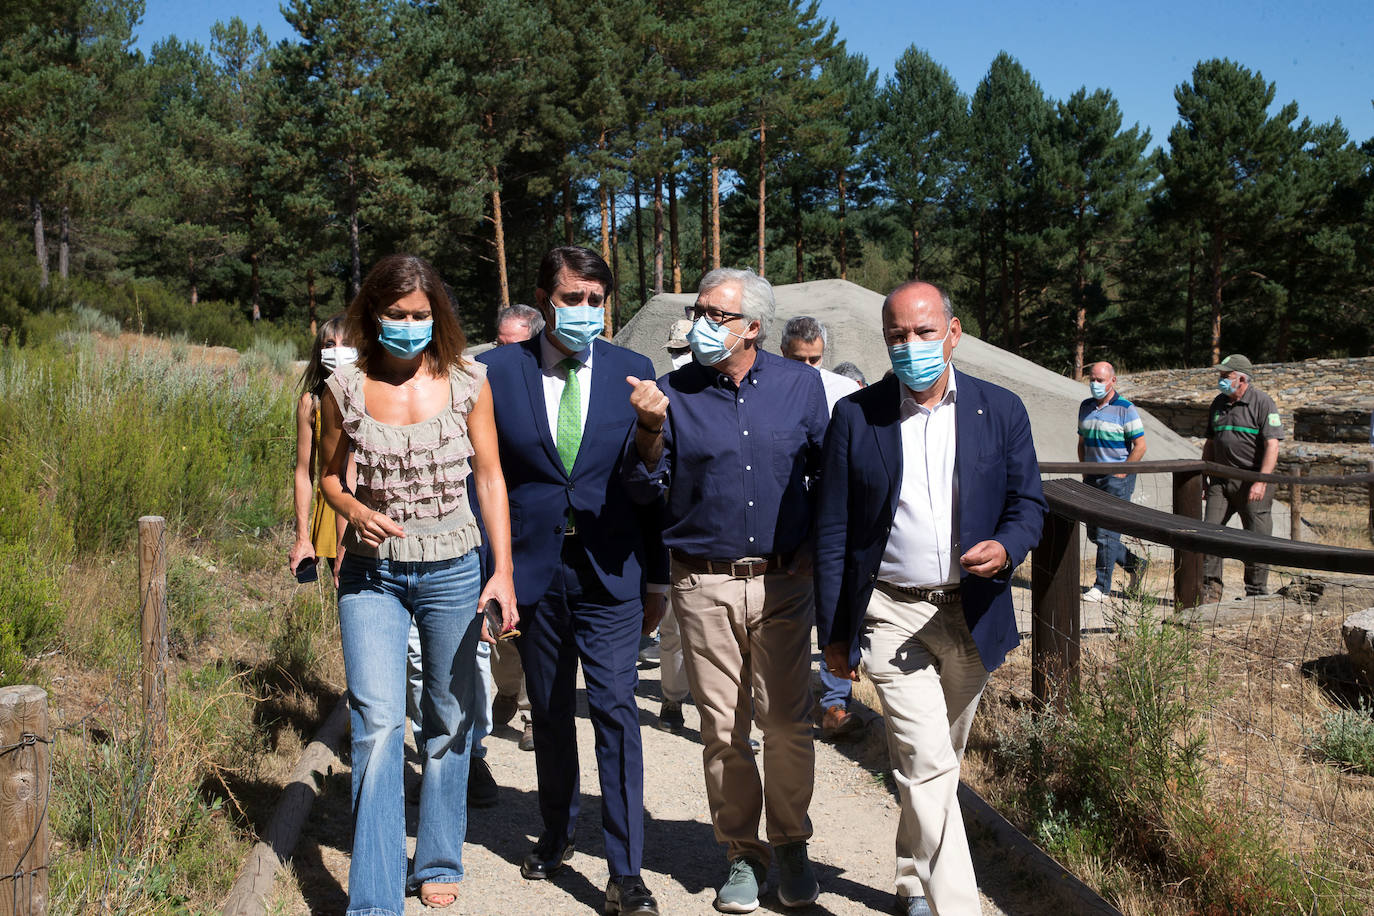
(405, 339)
(1225, 385)
(576, 326)
(919, 363)
(1098, 389)
(708, 341)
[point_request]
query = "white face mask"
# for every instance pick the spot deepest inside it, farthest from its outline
(333, 358)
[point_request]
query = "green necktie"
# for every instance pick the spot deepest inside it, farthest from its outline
(569, 435)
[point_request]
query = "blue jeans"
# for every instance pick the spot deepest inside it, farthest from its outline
(481, 710)
(1111, 553)
(377, 601)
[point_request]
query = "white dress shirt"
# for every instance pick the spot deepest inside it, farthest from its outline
(555, 379)
(836, 387)
(921, 549)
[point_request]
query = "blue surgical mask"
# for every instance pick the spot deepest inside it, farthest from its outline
(708, 341)
(1098, 389)
(405, 339)
(1225, 385)
(576, 326)
(919, 363)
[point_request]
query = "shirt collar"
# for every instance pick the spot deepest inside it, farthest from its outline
(551, 356)
(906, 402)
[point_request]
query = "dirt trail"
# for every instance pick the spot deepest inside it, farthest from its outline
(853, 812)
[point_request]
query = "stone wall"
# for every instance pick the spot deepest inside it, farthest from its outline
(1325, 405)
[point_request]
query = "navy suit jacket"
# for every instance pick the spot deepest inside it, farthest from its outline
(861, 480)
(623, 540)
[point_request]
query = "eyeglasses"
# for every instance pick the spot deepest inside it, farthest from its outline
(717, 316)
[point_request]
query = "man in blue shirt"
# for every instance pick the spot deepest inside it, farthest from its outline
(731, 440)
(1110, 431)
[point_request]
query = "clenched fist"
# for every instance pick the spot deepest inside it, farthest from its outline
(649, 403)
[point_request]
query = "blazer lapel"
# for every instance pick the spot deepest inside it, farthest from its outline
(970, 427)
(534, 387)
(603, 378)
(887, 431)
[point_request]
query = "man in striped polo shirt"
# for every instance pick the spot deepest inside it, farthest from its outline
(1110, 431)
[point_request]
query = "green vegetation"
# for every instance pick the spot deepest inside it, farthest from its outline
(95, 436)
(205, 186)
(1346, 738)
(1117, 782)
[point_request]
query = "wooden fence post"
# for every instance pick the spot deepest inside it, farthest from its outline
(1055, 611)
(24, 800)
(1295, 507)
(1187, 564)
(152, 599)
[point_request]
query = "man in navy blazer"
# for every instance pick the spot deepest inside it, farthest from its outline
(929, 498)
(584, 554)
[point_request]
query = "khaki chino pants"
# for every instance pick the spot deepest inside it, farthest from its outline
(929, 678)
(747, 650)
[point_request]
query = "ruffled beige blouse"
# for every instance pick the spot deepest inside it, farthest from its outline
(417, 474)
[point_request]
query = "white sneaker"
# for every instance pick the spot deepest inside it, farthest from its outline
(1093, 595)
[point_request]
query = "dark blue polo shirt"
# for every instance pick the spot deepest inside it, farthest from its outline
(736, 460)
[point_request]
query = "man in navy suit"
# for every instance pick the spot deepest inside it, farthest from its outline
(585, 555)
(929, 498)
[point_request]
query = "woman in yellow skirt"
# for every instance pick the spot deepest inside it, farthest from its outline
(319, 532)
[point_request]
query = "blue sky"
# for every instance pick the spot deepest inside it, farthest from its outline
(1320, 54)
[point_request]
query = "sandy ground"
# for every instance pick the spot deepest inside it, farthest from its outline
(853, 812)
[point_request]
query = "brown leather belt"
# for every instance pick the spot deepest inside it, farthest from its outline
(944, 595)
(739, 569)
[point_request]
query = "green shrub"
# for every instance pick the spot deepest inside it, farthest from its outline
(1346, 738)
(94, 322)
(266, 354)
(33, 613)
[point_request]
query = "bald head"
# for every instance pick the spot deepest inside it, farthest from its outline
(1102, 378)
(919, 291)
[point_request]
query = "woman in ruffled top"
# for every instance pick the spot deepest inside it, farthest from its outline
(418, 420)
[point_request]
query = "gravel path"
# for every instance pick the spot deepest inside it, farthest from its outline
(853, 812)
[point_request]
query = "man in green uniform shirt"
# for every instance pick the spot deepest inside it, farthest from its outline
(1243, 431)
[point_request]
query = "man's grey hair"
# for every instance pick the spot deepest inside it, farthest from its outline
(805, 328)
(944, 297)
(756, 301)
(522, 313)
(850, 371)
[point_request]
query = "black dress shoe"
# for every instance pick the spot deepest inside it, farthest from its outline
(482, 791)
(629, 895)
(545, 859)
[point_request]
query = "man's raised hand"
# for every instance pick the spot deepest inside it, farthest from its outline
(650, 403)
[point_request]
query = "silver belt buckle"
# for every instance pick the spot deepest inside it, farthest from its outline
(741, 570)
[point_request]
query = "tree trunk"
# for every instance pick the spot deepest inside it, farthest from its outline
(916, 242)
(797, 232)
(255, 286)
(844, 233)
(639, 241)
(1190, 306)
(658, 232)
(1080, 318)
(715, 212)
(1016, 301)
(64, 246)
(763, 194)
(705, 226)
(311, 305)
(499, 240)
(191, 275)
(983, 328)
(355, 257)
(1216, 298)
(40, 243)
(614, 310)
(567, 210)
(605, 223)
(1003, 288)
(676, 259)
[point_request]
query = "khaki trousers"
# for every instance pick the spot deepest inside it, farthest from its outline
(509, 676)
(929, 677)
(747, 649)
(672, 671)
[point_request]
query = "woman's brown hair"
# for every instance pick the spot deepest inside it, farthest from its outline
(394, 277)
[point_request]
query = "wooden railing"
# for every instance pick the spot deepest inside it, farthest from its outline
(1055, 576)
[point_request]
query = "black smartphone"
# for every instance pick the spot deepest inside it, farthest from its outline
(496, 623)
(307, 570)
